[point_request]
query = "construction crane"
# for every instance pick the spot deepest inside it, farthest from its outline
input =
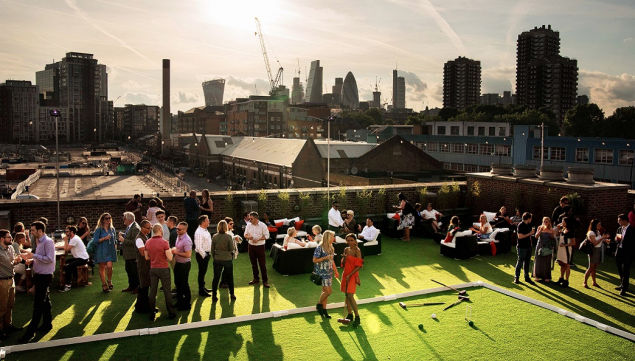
(274, 83)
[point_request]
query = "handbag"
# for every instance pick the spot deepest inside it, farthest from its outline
(586, 246)
(316, 279)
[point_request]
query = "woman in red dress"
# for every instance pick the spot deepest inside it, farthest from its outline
(352, 262)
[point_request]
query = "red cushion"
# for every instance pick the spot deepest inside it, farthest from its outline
(272, 229)
(493, 247)
(396, 216)
(448, 238)
(298, 224)
(279, 224)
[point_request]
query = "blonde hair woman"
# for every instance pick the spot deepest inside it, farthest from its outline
(290, 238)
(324, 266)
(105, 250)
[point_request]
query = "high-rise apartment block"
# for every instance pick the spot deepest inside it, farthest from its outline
(213, 91)
(136, 120)
(337, 92)
(314, 84)
(398, 91)
(18, 111)
(461, 83)
(543, 77)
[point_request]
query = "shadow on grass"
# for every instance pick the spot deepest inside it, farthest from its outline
(262, 345)
(335, 339)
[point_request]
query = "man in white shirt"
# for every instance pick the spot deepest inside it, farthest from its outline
(161, 220)
(257, 233)
(335, 218)
(74, 244)
(203, 248)
(369, 233)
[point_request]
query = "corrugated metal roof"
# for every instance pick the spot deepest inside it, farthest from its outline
(344, 149)
(279, 151)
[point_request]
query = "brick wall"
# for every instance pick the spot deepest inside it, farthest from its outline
(227, 204)
(601, 200)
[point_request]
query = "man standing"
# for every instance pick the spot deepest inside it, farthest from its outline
(143, 268)
(182, 252)
(134, 206)
(164, 225)
(8, 259)
(257, 233)
(524, 247)
(172, 222)
(128, 238)
(43, 268)
(335, 218)
(192, 212)
(559, 210)
(369, 233)
(75, 245)
(203, 247)
(624, 253)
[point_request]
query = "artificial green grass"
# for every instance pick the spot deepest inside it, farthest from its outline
(402, 267)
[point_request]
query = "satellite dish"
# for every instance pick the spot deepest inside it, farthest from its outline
(354, 170)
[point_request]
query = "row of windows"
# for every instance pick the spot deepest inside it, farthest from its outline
(601, 156)
(483, 149)
(460, 167)
(455, 130)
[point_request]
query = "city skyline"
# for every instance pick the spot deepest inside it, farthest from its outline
(206, 41)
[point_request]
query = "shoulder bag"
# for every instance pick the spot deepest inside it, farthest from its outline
(586, 246)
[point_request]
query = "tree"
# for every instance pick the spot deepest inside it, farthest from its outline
(584, 120)
(620, 124)
(447, 113)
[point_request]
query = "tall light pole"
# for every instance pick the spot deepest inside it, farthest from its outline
(55, 113)
(542, 145)
(328, 159)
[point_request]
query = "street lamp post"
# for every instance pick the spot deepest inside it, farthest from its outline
(328, 159)
(55, 113)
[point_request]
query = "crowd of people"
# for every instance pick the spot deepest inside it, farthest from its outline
(157, 247)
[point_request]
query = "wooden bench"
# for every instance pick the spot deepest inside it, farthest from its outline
(82, 276)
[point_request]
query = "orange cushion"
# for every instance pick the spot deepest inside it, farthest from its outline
(298, 224)
(396, 216)
(272, 229)
(279, 224)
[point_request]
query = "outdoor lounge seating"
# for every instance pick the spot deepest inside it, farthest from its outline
(463, 246)
(501, 238)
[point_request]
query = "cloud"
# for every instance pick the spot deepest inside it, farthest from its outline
(608, 91)
(498, 79)
(416, 89)
(140, 98)
(186, 97)
(628, 40)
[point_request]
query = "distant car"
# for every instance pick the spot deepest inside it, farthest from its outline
(27, 196)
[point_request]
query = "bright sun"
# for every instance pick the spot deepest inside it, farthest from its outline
(241, 13)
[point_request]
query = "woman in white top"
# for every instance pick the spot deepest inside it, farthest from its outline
(151, 214)
(595, 257)
(484, 228)
(430, 215)
(565, 251)
(290, 238)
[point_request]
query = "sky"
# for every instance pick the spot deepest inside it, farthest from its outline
(207, 39)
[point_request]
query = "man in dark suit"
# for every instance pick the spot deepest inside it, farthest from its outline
(624, 252)
(128, 239)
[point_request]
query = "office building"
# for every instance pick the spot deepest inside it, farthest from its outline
(18, 111)
(543, 77)
(398, 91)
(461, 83)
(337, 91)
(314, 84)
(205, 120)
(297, 91)
(350, 94)
(256, 116)
(137, 120)
(376, 99)
(213, 91)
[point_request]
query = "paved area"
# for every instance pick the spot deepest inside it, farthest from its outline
(96, 186)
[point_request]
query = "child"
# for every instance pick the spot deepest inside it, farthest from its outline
(352, 262)
(317, 232)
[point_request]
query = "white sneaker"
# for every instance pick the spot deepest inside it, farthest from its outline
(66, 288)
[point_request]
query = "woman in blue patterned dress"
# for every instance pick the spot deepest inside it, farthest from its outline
(105, 251)
(325, 268)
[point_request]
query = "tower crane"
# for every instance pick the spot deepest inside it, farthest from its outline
(274, 83)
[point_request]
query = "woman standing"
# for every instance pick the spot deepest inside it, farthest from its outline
(325, 267)
(83, 230)
(352, 262)
(544, 250)
(105, 251)
(407, 218)
(151, 214)
(564, 251)
(223, 251)
(595, 257)
(206, 206)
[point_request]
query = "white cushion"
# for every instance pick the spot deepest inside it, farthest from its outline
(281, 236)
(311, 245)
(490, 215)
(371, 243)
(296, 219)
(451, 244)
(283, 220)
(278, 246)
(390, 215)
(463, 233)
(339, 239)
(301, 234)
(293, 246)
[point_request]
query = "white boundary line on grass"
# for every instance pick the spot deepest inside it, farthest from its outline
(275, 314)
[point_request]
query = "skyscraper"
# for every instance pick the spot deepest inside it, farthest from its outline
(18, 111)
(350, 95)
(297, 91)
(398, 91)
(337, 91)
(461, 83)
(314, 85)
(213, 91)
(543, 77)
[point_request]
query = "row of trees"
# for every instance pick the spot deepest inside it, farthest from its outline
(588, 121)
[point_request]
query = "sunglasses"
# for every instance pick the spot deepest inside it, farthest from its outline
(106, 218)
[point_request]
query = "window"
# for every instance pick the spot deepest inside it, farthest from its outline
(456, 166)
(470, 130)
(470, 168)
(626, 157)
(472, 149)
(604, 156)
(537, 152)
(454, 130)
(484, 168)
(444, 147)
(582, 155)
(441, 130)
(458, 148)
(557, 153)
(433, 147)
(501, 131)
(492, 131)
(486, 149)
(446, 166)
(503, 150)
(481, 130)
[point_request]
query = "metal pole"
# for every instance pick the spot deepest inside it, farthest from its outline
(542, 145)
(328, 160)
(57, 170)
